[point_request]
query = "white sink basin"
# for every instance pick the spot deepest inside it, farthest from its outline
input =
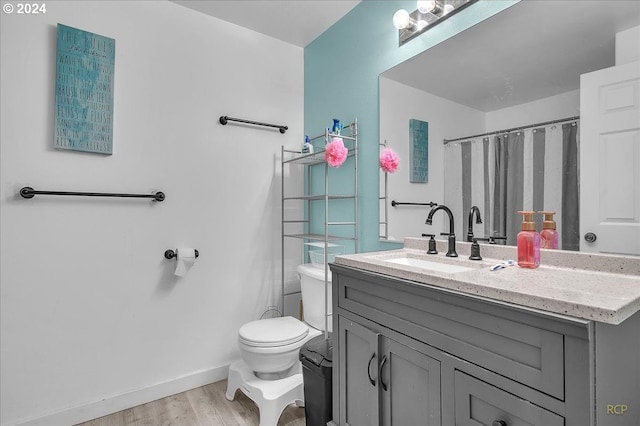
(428, 265)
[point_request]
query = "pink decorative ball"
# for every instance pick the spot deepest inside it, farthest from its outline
(389, 160)
(335, 152)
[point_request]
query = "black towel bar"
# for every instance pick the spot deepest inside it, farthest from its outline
(396, 203)
(224, 119)
(28, 192)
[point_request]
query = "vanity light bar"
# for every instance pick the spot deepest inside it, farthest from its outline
(420, 22)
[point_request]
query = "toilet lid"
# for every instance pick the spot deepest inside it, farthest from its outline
(273, 332)
(313, 271)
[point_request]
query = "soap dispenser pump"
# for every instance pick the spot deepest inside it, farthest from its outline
(549, 235)
(528, 242)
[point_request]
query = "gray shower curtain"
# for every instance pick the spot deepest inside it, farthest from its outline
(531, 169)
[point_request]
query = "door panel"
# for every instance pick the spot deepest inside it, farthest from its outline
(358, 374)
(610, 159)
(410, 384)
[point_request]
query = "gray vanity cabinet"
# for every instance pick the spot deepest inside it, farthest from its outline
(410, 383)
(411, 354)
(358, 361)
(385, 382)
(479, 403)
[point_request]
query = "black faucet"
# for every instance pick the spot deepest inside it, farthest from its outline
(451, 252)
(473, 210)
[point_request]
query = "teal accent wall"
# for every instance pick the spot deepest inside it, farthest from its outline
(341, 69)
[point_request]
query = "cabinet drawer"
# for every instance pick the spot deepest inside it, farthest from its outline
(478, 403)
(488, 335)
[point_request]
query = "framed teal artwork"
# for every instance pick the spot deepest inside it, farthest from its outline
(419, 151)
(84, 91)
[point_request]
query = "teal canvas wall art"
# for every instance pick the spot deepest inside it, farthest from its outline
(419, 151)
(84, 91)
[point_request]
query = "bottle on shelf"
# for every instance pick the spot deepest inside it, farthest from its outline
(307, 148)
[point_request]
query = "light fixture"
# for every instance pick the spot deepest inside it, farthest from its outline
(429, 6)
(427, 14)
(401, 19)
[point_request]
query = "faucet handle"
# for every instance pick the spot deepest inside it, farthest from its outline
(432, 244)
(491, 240)
(475, 250)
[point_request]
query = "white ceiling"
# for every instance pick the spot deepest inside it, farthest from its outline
(513, 63)
(532, 50)
(297, 22)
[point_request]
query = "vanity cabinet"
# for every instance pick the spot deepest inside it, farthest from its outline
(413, 354)
(477, 402)
(397, 385)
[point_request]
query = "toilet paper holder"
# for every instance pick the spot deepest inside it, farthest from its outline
(171, 254)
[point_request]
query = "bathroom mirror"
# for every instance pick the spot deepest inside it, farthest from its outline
(517, 68)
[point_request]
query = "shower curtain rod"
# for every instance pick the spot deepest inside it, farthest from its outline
(545, 123)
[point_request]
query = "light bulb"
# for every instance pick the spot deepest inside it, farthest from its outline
(426, 6)
(447, 8)
(401, 19)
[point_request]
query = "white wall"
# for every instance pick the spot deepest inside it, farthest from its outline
(556, 107)
(628, 46)
(93, 319)
(398, 104)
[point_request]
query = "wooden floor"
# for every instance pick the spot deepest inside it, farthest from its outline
(204, 406)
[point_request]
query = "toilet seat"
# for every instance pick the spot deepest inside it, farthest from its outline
(272, 332)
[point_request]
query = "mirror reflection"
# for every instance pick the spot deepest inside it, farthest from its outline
(503, 105)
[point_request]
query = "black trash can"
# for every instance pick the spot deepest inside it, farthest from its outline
(316, 374)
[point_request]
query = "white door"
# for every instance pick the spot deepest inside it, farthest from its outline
(610, 160)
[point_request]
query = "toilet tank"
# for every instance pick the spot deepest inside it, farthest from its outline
(312, 286)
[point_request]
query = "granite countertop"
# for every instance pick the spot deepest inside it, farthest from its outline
(603, 288)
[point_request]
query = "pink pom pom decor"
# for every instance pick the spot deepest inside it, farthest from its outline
(389, 160)
(335, 152)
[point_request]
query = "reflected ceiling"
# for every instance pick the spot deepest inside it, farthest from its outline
(577, 34)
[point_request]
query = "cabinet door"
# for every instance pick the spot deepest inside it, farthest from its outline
(358, 348)
(480, 404)
(409, 382)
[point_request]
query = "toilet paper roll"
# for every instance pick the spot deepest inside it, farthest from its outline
(185, 258)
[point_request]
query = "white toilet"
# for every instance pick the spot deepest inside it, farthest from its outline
(270, 372)
(270, 347)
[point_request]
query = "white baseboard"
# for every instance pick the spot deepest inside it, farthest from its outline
(130, 399)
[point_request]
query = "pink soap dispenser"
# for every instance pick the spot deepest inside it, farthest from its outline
(549, 235)
(528, 242)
